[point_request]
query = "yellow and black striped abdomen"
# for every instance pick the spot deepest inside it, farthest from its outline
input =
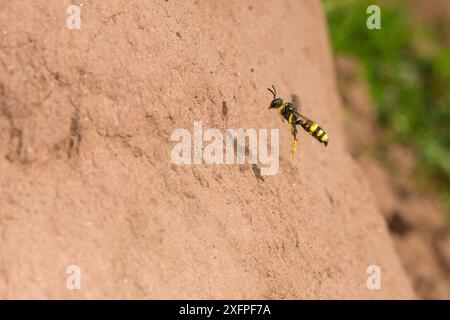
(316, 131)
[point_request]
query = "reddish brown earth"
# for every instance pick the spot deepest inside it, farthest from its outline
(414, 215)
(85, 173)
(433, 12)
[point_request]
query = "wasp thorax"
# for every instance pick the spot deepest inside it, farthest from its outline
(276, 103)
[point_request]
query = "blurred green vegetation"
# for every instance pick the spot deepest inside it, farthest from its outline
(407, 66)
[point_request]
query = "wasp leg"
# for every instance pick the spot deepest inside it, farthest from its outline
(294, 133)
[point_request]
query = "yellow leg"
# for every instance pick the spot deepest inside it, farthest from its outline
(294, 134)
(294, 146)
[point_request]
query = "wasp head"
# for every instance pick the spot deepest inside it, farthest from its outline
(276, 102)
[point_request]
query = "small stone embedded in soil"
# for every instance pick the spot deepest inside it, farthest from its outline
(224, 109)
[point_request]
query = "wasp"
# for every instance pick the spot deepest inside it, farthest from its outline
(290, 112)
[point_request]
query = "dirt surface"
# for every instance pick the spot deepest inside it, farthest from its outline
(86, 178)
(434, 12)
(415, 218)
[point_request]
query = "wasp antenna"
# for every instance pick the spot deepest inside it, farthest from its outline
(274, 91)
(270, 90)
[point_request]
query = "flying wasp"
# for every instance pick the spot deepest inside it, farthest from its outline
(290, 112)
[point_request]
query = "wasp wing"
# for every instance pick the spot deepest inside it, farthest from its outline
(302, 117)
(296, 101)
